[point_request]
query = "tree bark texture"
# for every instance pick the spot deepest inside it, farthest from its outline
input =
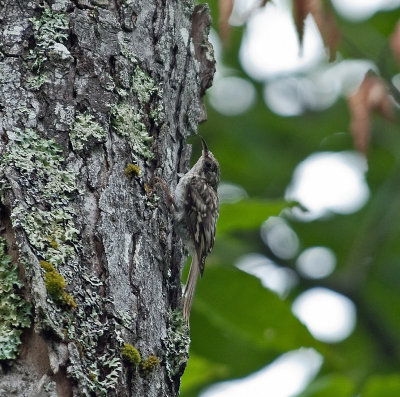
(96, 98)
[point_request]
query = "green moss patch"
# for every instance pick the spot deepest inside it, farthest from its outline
(55, 285)
(130, 355)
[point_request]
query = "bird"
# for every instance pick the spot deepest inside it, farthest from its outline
(196, 212)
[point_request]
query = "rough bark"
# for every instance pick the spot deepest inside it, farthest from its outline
(96, 98)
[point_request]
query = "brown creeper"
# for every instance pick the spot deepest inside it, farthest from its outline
(197, 209)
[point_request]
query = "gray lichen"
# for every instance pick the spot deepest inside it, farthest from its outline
(50, 32)
(84, 129)
(35, 82)
(94, 372)
(14, 310)
(128, 123)
(129, 120)
(145, 88)
(126, 51)
(176, 344)
(50, 230)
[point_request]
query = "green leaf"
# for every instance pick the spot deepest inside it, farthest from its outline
(248, 214)
(200, 371)
(382, 386)
(330, 386)
(240, 325)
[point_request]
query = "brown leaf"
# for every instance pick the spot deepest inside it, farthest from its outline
(395, 42)
(301, 8)
(225, 10)
(326, 23)
(372, 95)
(324, 19)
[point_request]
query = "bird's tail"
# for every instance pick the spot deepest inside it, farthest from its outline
(190, 287)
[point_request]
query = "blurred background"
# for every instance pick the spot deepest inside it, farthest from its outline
(300, 296)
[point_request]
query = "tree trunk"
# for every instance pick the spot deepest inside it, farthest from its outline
(97, 97)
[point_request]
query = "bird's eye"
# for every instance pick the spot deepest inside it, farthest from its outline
(208, 164)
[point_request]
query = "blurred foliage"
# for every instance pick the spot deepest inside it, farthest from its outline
(247, 214)
(238, 326)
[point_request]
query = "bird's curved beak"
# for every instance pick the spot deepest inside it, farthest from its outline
(205, 148)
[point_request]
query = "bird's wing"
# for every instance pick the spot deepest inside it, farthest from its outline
(201, 209)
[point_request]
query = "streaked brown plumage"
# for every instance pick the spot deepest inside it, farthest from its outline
(197, 209)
